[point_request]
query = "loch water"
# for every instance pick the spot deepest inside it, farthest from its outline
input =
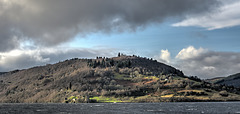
(123, 108)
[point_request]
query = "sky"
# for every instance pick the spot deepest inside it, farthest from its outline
(199, 37)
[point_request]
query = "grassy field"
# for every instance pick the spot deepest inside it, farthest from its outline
(121, 76)
(103, 99)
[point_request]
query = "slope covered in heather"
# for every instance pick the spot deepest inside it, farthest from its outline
(117, 79)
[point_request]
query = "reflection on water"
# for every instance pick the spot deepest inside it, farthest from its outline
(131, 108)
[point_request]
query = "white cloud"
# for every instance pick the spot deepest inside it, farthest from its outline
(22, 58)
(164, 56)
(202, 62)
(190, 52)
(207, 64)
(227, 16)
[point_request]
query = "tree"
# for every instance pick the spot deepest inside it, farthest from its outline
(103, 63)
(70, 85)
(94, 64)
(111, 62)
(119, 64)
(158, 90)
(98, 63)
(129, 64)
(188, 87)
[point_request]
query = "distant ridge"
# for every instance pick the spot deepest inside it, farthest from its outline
(232, 80)
(2, 73)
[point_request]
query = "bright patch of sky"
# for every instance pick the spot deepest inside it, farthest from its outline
(152, 39)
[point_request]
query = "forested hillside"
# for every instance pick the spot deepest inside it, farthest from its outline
(118, 79)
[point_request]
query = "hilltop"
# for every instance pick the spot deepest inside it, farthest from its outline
(118, 79)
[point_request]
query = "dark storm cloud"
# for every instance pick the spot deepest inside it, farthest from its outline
(51, 22)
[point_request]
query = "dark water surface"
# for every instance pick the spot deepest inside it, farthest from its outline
(131, 108)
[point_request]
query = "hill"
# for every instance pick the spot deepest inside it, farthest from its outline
(232, 80)
(214, 80)
(117, 79)
(2, 73)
